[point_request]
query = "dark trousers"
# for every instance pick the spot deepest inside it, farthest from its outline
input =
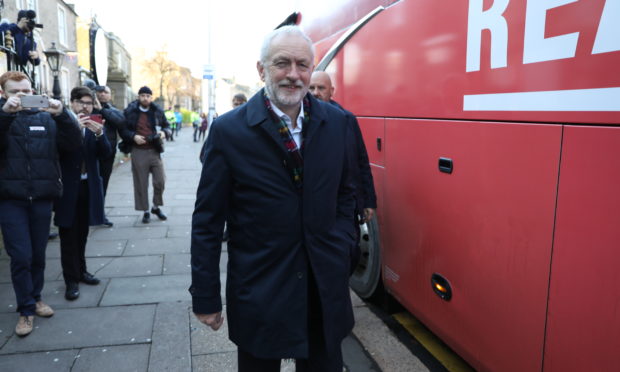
(73, 239)
(25, 229)
(319, 360)
(105, 168)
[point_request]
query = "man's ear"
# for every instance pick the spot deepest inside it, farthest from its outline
(261, 70)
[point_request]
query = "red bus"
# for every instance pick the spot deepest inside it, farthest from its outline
(493, 131)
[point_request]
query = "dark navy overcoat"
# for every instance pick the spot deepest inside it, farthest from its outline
(277, 232)
(91, 151)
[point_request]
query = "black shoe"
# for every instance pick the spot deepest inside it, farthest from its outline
(89, 279)
(159, 213)
(107, 222)
(146, 218)
(72, 292)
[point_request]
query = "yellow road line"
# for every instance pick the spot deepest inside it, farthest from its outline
(436, 347)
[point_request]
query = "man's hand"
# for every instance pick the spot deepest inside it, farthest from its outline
(139, 140)
(33, 54)
(162, 134)
(369, 213)
(55, 107)
(93, 126)
(13, 104)
(214, 321)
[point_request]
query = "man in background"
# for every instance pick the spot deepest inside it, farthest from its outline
(22, 33)
(113, 123)
(145, 127)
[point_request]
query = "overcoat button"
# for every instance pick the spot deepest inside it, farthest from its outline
(300, 275)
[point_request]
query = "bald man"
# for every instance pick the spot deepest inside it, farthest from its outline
(321, 88)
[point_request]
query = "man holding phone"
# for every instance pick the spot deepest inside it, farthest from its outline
(30, 143)
(81, 204)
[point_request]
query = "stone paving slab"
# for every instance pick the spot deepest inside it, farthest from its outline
(124, 211)
(54, 361)
(170, 348)
(137, 247)
(87, 327)
(129, 233)
(182, 210)
(221, 362)
(180, 231)
(147, 290)
(53, 294)
(177, 264)
(124, 358)
(132, 266)
(178, 220)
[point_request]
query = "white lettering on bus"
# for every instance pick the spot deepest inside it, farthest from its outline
(608, 34)
(491, 19)
(537, 48)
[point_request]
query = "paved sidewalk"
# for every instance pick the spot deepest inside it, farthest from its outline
(139, 318)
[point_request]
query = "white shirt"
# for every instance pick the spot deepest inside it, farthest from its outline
(296, 133)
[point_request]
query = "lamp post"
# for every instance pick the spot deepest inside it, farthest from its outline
(54, 60)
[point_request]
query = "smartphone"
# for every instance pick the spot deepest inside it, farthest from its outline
(96, 117)
(35, 101)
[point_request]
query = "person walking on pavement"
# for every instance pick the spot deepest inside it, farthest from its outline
(113, 123)
(277, 170)
(30, 142)
(179, 116)
(81, 204)
(172, 123)
(142, 117)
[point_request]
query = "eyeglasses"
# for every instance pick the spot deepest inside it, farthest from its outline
(90, 103)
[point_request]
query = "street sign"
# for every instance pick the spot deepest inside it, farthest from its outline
(208, 72)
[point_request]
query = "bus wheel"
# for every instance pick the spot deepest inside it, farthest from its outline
(365, 279)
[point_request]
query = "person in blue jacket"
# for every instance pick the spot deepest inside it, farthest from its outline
(22, 33)
(81, 204)
(30, 142)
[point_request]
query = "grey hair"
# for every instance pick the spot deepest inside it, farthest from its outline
(285, 30)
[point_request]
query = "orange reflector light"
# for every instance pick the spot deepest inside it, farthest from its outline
(440, 288)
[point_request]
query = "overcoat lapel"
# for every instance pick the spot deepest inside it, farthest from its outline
(258, 116)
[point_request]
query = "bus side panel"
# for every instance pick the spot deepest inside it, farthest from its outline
(373, 132)
(487, 228)
(583, 330)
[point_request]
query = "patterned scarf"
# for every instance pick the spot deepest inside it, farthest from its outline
(295, 153)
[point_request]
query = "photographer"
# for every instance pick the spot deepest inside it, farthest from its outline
(81, 204)
(114, 122)
(22, 33)
(142, 117)
(30, 142)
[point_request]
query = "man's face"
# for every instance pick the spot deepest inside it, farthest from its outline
(287, 70)
(321, 86)
(237, 102)
(82, 105)
(105, 95)
(145, 99)
(17, 88)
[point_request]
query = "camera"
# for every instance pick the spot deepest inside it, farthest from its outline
(30, 15)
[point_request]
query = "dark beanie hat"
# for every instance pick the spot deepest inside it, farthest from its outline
(145, 90)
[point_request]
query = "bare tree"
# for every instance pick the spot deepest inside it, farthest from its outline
(161, 69)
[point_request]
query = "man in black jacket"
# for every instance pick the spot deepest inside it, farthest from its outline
(30, 141)
(142, 117)
(114, 121)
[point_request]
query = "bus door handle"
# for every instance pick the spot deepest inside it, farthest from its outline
(378, 143)
(445, 165)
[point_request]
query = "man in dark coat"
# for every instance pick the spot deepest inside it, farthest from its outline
(22, 33)
(277, 169)
(145, 127)
(366, 199)
(30, 141)
(114, 121)
(81, 204)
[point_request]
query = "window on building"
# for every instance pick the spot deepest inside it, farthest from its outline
(64, 85)
(62, 26)
(19, 4)
(33, 4)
